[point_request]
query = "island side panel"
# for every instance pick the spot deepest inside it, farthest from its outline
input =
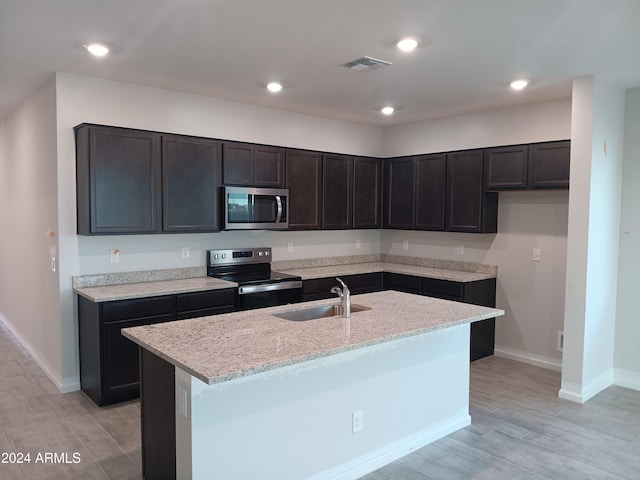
(297, 421)
(157, 416)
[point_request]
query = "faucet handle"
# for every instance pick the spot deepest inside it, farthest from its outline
(336, 289)
(345, 289)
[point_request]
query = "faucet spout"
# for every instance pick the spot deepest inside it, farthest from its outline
(345, 297)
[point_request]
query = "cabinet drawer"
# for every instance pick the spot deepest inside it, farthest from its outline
(200, 304)
(138, 308)
(442, 288)
(401, 282)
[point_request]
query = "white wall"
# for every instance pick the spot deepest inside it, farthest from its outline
(627, 353)
(91, 100)
(531, 293)
(29, 291)
(528, 123)
(593, 237)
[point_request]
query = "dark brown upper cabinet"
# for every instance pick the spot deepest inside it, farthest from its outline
(399, 193)
(506, 167)
(304, 181)
(246, 164)
(534, 166)
(190, 181)
(468, 208)
(118, 180)
(367, 192)
(430, 182)
(337, 194)
(549, 164)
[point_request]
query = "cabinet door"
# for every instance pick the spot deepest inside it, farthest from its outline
(367, 192)
(269, 167)
(399, 193)
(431, 176)
(237, 163)
(506, 167)
(304, 181)
(119, 371)
(549, 164)
(190, 184)
(337, 210)
(118, 182)
(468, 207)
(364, 282)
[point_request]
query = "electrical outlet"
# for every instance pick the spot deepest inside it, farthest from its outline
(182, 402)
(560, 346)
(356, 421)
(290, 247)
(185, 252)
(357, 243)
(114, 256)
(536, 256)
(405, 245)
(460, 249)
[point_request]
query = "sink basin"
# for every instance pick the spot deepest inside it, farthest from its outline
(321, 311)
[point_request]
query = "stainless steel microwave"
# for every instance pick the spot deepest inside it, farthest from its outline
(249, 208)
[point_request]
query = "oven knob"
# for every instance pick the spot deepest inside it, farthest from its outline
(224, 255)
(215, 255)
(260, 254)
(266, 253)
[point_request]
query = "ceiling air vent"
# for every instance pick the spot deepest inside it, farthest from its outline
(366, 64)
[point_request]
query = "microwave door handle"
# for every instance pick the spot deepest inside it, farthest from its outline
(279, 203)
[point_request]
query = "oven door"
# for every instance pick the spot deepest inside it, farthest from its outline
(269, 295)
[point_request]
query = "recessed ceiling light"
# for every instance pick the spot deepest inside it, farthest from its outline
(519, 84)
(387, 110)
(407, 44)
(274, 87)
(97, 49)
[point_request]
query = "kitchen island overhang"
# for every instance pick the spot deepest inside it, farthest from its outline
(285, 397)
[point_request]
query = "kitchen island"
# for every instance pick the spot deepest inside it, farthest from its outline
(252, 395)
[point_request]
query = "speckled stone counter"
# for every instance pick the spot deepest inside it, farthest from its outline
(415, 270)
(126, 291)
(223, 347)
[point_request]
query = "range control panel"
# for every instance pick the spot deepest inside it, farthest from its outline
(234, 257)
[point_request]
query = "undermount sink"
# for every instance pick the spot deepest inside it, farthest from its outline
(322, 311)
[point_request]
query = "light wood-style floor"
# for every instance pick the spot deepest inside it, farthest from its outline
(520, 430)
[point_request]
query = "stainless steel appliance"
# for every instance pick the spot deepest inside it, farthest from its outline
(258, 286)
(247, 208)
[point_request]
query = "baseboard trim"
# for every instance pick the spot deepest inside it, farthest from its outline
(359, 467)
(573, 392)
(626, 378)
(48, 370)
(526, 357)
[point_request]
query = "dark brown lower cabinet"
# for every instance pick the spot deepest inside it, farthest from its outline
(320, 288)
(481, 292)
(109, 362)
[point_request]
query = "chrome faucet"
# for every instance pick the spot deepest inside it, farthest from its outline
(345, 297)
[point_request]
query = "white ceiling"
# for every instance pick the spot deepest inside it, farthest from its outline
(470, 50)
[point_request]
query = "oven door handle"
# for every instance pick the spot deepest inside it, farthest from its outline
(279, 213)
(270, 287)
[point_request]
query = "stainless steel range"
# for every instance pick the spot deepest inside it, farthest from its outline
(258, 286)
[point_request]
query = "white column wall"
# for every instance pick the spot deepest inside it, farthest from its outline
(593, 238)
(627, 353)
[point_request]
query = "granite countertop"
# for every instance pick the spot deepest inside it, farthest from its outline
(126, 291)
(219, 348)
(308, 273)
